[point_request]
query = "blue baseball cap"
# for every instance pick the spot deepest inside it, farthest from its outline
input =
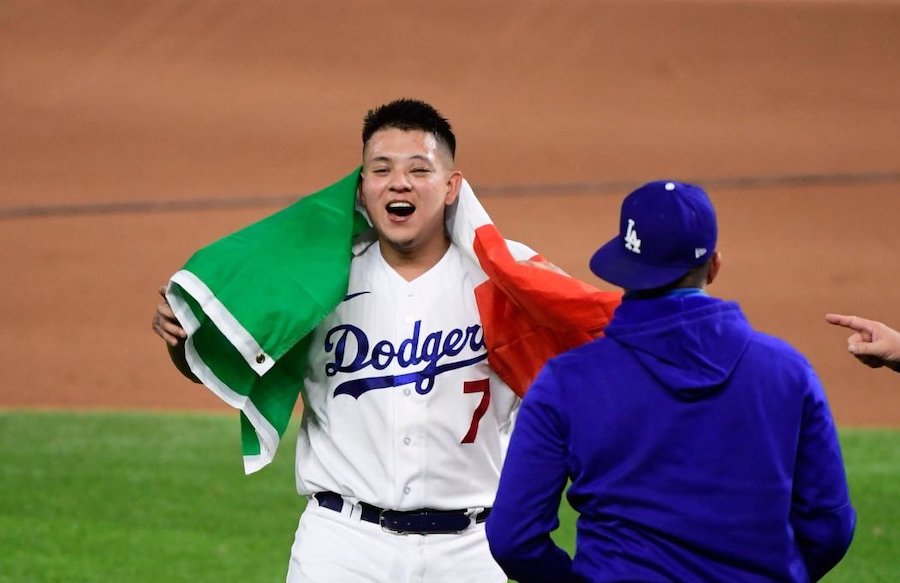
(666, 228)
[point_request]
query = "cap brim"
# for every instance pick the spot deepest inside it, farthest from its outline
(620, 267)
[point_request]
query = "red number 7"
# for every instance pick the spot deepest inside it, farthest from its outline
(483, 386)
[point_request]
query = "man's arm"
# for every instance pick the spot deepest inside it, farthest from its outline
(821, 513)
(872, 343)
(169, 329)
(527, 504)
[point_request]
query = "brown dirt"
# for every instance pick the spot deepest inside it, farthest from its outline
(162, 101)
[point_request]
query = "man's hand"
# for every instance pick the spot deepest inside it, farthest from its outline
(164, 322)
(167, 327)
(872, 343)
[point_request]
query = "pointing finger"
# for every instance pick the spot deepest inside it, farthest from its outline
(856, 323)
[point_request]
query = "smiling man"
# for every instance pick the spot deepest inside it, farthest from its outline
(397, 373)
(405, 425)
(408, 179)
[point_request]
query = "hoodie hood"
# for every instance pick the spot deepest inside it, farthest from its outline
(690, 344)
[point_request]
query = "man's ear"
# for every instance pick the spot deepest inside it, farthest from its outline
(714, 265)
(454, 184)
(359, 195)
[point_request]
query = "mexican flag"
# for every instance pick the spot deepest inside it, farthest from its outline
(249, 301)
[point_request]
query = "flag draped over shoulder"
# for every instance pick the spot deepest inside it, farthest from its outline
(249, 301)
(529, 314)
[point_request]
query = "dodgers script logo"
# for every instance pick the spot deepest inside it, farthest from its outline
(354, 352)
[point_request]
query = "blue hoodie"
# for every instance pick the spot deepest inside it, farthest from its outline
(698, 450)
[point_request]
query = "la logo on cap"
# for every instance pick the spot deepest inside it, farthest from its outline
(632, 243)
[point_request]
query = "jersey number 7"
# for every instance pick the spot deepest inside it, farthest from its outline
(483, 386)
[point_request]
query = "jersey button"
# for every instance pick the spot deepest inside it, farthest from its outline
(406, 392)
(406, 490)
(407, 440)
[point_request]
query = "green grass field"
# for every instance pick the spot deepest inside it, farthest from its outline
(145, 497)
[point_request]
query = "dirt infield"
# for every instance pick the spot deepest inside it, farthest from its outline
(788, 112)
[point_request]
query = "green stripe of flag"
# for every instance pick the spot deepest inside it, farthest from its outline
(250, 299)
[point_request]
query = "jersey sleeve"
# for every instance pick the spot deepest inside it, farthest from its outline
(520, 251)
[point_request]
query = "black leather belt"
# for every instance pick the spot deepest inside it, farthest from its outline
(423, 521)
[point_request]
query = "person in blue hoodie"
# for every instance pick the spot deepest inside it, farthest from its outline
(698, 448)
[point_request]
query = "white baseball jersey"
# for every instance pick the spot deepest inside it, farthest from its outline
(401, 409)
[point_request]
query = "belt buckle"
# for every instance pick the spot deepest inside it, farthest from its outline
(385, 527)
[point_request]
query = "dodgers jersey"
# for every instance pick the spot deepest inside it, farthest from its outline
(401, 409)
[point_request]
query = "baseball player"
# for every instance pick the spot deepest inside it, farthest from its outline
(405, 425)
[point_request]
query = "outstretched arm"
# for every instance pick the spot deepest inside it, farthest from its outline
(872, 343)
(167, 327)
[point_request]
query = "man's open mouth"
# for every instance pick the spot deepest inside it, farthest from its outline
(400, 208)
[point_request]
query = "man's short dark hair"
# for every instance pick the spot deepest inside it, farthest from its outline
(408, 115)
